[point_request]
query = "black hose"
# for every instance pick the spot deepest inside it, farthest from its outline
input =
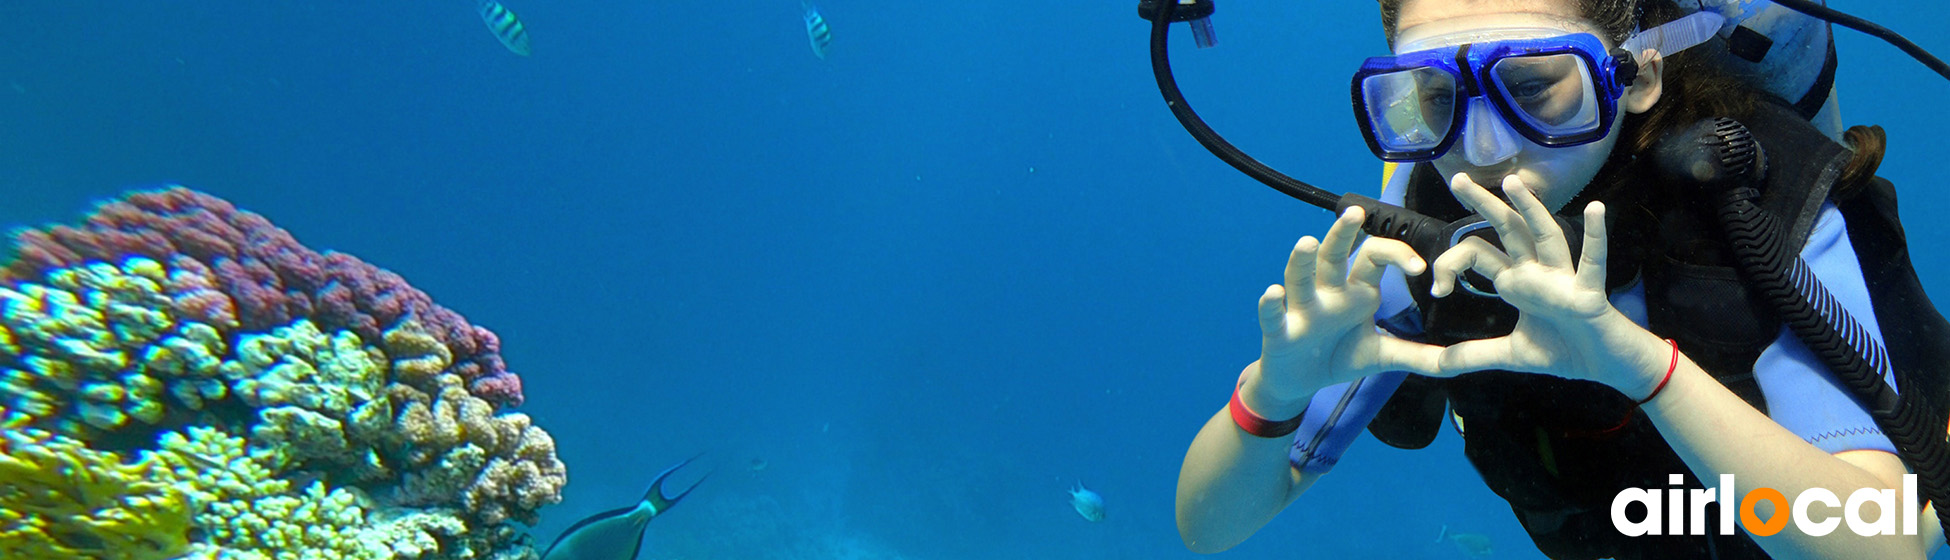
(1161, 68)
(1723, 155)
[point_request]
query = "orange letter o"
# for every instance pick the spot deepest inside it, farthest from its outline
(1752, 522)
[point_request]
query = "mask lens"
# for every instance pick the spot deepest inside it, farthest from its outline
(1553, 93)
(1410, 110)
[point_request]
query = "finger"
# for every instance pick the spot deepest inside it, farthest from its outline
(1379, 253)
(1591, 264)
(1472, 254)
(1477, 355)
(1546, 236)
(1507, 223)
(1300, 271)
(1332, 262)
(1272, 310)
(1410, 356)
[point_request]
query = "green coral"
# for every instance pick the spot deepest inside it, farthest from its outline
(247, 512)
(98, 346)
(320, 397)
(300, 365)
(60, 499)
(8, 348)
(192, 360)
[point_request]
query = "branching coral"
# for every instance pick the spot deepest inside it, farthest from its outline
(511, 464)
(247, 511)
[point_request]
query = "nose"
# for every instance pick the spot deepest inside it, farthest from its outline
(1487, 140)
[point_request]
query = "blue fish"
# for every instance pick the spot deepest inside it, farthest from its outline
(1087, 503)
(505, 26)
(816, 30)
(617, 534)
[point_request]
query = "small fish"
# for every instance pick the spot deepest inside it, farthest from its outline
(1472, 544)
(1088, 504)
(505, 26)
(617, 534)
(816, 30)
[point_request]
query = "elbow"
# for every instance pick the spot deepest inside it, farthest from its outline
(1201, 542)
(1204, 532)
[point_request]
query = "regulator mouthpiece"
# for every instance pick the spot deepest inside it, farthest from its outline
(1196, 12)
(1716, 154)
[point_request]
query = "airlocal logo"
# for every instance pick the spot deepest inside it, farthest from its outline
(1680, 507)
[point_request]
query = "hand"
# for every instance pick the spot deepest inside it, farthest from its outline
(1318, 328)
(1566, 325)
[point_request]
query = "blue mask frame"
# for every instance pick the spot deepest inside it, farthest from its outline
(1611, 72)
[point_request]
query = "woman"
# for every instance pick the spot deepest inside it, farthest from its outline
(1575, 398)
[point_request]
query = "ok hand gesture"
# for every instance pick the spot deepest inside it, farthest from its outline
(1318, 327)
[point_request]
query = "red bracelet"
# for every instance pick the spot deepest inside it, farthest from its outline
(1258, 425)
(1674, 366)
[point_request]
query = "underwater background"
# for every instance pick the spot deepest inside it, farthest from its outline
(902, 297)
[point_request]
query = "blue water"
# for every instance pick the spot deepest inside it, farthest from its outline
(930, 282)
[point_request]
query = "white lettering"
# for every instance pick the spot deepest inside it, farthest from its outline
(1807, 525)
(1885, 501)
(1701, 497)
(1730, 507)
(1909, 504)
(1666, 511)
(1647, 526)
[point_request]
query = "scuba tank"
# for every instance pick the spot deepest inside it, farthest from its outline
(1783, 52)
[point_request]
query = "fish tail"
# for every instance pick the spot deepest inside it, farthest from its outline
(1444, 533)
(660, 502)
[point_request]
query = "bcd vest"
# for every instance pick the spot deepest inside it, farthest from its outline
(1556, 449)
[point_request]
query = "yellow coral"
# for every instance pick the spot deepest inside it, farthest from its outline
(60, 499)
(8, 348)
(418, 358)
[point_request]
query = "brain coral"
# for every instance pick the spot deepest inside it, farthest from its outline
(308, 404)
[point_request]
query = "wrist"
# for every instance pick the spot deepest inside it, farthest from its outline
(1643, 365)
(1267, 398)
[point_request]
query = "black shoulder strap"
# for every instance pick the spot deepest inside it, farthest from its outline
(1802, 165)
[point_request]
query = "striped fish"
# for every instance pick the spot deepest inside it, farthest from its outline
(816, 30)
(505, 26)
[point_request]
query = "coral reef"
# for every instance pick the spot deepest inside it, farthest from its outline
(284, 403)
(60, 499)
(267, 275)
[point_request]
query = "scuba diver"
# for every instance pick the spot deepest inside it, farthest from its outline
(1641, 266)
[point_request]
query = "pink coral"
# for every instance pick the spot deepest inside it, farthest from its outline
(500, 388)
(268, 278)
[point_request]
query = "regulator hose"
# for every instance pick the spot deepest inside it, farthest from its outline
(1721, 155)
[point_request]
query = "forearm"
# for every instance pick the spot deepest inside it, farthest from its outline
(1715, 432)
(1232, 482)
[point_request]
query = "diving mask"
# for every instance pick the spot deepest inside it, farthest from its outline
(1552, 88)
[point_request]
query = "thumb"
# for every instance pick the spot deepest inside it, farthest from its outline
(1272, 310)
(1477, 355)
